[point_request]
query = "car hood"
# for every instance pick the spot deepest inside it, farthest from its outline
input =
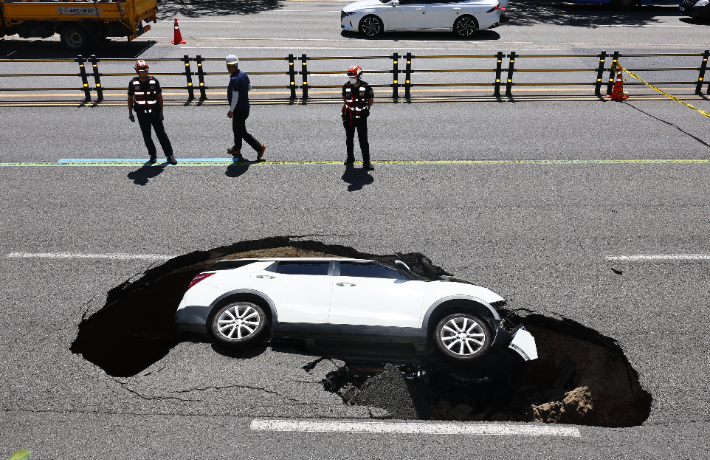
(362, 4)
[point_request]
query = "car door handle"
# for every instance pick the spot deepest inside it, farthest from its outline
(268, 277)
(345, 284)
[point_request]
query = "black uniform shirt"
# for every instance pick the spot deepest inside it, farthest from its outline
(357, 96)
(145, 93)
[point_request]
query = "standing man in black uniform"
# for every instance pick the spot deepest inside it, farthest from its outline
(238, 98)
(358, 97)
(146, 98)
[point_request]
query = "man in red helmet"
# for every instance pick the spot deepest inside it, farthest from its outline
(146, 98)
(358, 97)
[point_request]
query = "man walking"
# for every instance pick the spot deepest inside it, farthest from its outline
(358, 97)
(238, 97)
(146, 98)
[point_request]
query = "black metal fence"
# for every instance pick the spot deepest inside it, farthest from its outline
(502, 72)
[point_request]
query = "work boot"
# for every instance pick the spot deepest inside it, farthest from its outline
(172, 160)
(368, 167)
(234, 152)
(261, 153)
(152, 159)
(349, 161)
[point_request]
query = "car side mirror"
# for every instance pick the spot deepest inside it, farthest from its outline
(395, 2)
(403, 269)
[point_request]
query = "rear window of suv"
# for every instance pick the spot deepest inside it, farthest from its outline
(302, 268)
(369, 270)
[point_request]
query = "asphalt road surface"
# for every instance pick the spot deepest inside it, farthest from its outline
(592, 211)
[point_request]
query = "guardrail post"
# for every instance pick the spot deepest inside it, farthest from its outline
(701, 76)
(201, 77)
(97, 78)
(499, 70)
(612, 74)
(408, 77)
(188, 75)
(509, 80)
(292, 76)
(600, 74)
(84, 78)
(395, 76)
(304, 76)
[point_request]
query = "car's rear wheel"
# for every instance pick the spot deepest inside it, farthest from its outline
(462, 338)
(239, 325)
(465, 26)
(371, 26)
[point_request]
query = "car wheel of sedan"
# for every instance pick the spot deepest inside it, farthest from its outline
(371, 26)
(462, 338)
(239, 325)
(465, 26)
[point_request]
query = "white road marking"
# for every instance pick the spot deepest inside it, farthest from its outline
(67, 255)
(445, 428)
(657, 257)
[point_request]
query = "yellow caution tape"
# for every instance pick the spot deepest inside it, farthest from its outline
(663, 92)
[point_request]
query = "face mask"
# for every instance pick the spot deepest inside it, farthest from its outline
(353, 80)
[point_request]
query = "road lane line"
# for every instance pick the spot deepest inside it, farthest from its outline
(193, 162)
(657, 257)
(68, 255)
(433, 428)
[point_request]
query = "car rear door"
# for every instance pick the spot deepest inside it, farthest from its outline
(442, 14)
(370, 294)
(300, 290)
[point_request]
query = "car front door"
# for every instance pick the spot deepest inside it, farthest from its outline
(370, 294)
(300, 290)
(408, 15)
(442, 14)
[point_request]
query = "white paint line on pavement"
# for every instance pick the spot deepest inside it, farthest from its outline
(434, 428)
(658, 257)
(67, 255)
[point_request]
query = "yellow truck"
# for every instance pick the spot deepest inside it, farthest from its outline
(80, 24)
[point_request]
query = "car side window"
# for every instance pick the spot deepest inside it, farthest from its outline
(368, 270)
(409, 2)
(302, 268)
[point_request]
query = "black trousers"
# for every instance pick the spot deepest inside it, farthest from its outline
(359, 124)
(239, 118)
(146, 120)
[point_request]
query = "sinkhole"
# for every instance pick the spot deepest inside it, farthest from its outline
(580, 377)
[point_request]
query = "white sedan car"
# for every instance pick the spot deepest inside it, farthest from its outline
(362, 309)
(465, 17)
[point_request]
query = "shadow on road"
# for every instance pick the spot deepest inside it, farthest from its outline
(584, 15)
(15, 48)
(236, 169)
(145, 173)
(205, 8)
(357, 178)
(481, 36)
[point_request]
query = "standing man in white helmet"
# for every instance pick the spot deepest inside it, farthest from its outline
(146, 98)
(238, 97)
(358, 97)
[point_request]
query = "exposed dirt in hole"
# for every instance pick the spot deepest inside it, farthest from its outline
(572, 381)
(580, 377)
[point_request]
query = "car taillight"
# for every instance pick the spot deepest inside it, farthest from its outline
(493, 9)
(199, 278)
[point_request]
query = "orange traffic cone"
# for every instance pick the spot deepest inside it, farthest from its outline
(618, 94)
(177, 38)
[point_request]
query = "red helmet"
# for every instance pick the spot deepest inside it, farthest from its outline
(355, 72)
(141, 65)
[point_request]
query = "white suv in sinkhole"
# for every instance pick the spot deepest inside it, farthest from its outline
(360, 309)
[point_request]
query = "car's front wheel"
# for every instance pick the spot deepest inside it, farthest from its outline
(465, 26)
(239, 325)
(371, 26)
(462, 338)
